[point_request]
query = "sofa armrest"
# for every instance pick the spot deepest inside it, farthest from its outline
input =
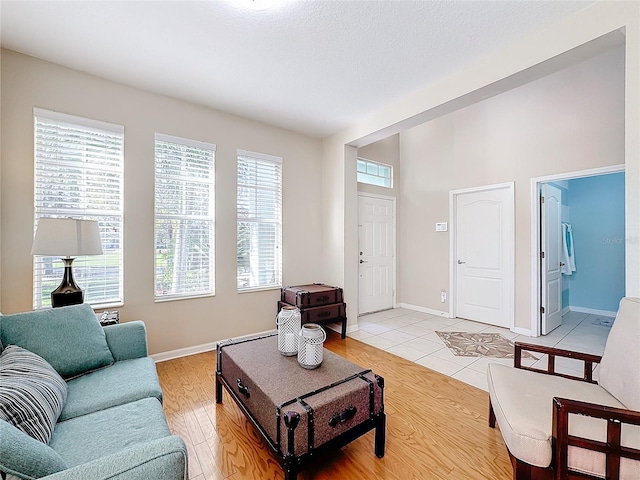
(552, 353)
(127, 340)
(164, 458)
(25, 456)
(612, 448)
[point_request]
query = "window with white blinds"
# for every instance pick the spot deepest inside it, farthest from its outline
(79, 174)
(184, 218)
(259, 206)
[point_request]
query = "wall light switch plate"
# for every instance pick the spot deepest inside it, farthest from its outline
(441, 227)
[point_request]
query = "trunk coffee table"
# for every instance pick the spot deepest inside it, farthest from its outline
(300, 413)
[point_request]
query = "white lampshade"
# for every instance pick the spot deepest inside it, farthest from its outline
(67, 237)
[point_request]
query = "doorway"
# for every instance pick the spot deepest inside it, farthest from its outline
(483, 254)
(376, 252)
(580, 236)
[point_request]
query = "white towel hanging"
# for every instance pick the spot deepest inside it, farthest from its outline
(568, 254)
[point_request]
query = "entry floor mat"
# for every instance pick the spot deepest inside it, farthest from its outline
(464, 344)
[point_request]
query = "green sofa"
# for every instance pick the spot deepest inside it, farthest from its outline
(111, 424)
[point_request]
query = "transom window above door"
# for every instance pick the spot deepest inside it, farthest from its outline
(374, 173)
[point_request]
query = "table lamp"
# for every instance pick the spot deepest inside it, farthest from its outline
(67, 238)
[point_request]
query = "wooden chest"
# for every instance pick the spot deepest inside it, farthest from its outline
(300, 413)
(311, 295)
(318, 303)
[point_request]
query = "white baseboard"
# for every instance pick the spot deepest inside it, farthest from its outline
(208, 347)
(205, 347)
(430, 311)
(337, 327)
(565, 310)
(593, 311)
(183, 352)
(522, 331)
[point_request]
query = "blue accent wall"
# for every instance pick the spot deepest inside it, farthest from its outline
(597, 219)
(565, 294)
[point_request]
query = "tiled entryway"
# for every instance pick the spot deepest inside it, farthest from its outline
(412, 335)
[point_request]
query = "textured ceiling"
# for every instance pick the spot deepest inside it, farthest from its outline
(310, 66)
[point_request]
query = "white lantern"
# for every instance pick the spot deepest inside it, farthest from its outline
(288, 322)
(310, 345)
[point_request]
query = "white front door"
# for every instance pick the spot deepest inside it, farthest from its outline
(376, 253)
(550, 257)
(483, 265)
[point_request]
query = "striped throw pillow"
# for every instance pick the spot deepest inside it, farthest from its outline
(32, 393)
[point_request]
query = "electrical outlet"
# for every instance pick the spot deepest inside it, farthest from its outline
(443, 296)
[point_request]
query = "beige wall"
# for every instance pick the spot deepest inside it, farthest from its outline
(28, 83)
(533, 56)
(569, 121)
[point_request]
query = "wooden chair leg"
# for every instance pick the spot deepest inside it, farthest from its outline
(524, 471)
(492, 416)
(521, 471)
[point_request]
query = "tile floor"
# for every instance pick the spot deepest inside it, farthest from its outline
(412, 335)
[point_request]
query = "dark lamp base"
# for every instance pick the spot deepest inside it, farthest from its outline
(67, 298)
(68, 292)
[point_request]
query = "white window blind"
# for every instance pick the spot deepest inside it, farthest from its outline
(259, 206)
(184, 218)
(374, 173)
(79, 174)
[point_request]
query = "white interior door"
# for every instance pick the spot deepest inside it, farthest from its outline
(550, 258)
(376, 255)
(484, 239)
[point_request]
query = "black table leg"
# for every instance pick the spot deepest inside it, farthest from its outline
(290, 466)
(290, 473)
(218, 388)
(380, 438)
(344, 328)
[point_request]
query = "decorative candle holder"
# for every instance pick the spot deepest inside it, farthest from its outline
(310, 345)
(288, 323)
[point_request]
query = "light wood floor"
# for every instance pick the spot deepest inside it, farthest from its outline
(436, 426)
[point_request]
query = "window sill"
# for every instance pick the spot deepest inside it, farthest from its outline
(260, 289)
(97, 306)
(182, 297)
(105, 306)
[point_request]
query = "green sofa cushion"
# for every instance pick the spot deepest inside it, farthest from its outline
(88, 437)
(32, 393)
(26, 457)
(125, 381)
(69, 338)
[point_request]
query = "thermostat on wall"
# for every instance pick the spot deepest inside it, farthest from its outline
(441, 227)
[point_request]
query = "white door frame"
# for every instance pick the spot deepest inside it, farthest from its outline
(536, 295)
(393, 226)
(453, 194)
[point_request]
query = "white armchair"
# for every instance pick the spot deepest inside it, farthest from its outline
(562, 427)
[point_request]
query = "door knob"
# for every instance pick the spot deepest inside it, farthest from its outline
(460, 262)
(363, 261)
